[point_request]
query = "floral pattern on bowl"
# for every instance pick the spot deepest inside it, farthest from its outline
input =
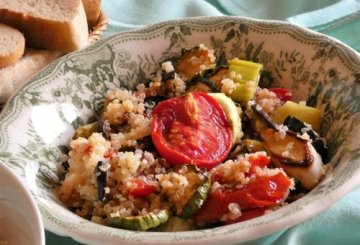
(38, 123)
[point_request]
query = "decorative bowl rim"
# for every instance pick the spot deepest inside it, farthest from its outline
(352, 57)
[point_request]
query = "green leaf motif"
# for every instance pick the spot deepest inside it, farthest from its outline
(168, 31)
(141, 78)
(230, 35)
(244, 28)
(185, 30)
(91, 87)
(174, 39)
(248, 51)
(77, 123)
(5, 154)
(77, 101)
(87, 104)
(228, 25)
(257, 52)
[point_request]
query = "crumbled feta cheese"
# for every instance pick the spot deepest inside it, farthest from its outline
(288, 148)
(282, 129)
(202, 67)
(228, 86)
(215, 186)
(234, 211)
(305, 136)
(167, 67)
(232, 75)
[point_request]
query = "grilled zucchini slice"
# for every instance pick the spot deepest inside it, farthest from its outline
(188, 199)
(232, 114)
(140, 222)
(87, 130)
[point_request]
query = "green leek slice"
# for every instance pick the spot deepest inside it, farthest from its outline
(247, 75)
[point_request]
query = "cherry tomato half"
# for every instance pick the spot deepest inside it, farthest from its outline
(262, 192)
(282, 93)
(191, 129)
(260, 161)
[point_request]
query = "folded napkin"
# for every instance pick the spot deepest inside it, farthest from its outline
(339, 224)
(340, 19)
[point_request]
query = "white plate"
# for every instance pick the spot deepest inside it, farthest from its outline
(20, 219)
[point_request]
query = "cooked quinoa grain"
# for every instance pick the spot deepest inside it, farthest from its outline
(118, 172)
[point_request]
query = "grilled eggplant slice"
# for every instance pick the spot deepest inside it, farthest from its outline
(295, 155)
(202, 84)
(193, 61)
(300, 127)
(101, 178)
(259, 119)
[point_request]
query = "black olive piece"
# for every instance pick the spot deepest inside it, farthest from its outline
(222, 61)
(101, 177)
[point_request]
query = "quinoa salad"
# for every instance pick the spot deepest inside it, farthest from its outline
(199, 144)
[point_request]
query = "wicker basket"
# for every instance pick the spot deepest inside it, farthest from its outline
(100, 27)
(95, 32)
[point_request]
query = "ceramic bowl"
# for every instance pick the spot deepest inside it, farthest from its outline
(38, 123)
(20, 219)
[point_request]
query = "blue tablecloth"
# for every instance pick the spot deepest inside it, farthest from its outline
(339, 224)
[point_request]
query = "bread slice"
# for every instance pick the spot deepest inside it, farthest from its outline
(48, 24)
(92, 10)
(12, 45)
(14, 76)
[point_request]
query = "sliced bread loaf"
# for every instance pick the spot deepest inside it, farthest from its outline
(92, 10)
(14, 76)
(48, 24)
(12, 45)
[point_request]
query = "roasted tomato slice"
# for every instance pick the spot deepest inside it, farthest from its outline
(191, 129)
